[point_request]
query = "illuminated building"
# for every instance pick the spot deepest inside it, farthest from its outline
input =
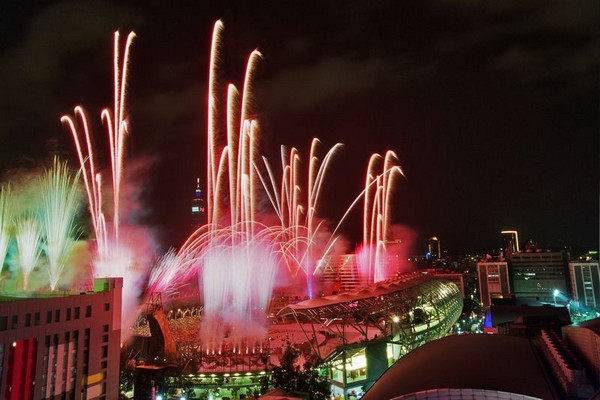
(61, 345)
(537, 276)
(585, 283)
(434, 250)
(493, 281)
(369, 329)
(198, 207)
(510, 243)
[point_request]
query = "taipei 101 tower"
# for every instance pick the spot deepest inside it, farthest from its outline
(198, 208)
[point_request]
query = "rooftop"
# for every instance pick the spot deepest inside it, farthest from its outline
(489, 362)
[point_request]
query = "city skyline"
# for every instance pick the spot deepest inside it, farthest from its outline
(491, 114)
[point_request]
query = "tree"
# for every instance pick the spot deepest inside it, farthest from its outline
(290, 376)
(127, 370)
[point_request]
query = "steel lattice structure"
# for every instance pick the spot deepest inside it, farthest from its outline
(409, 312)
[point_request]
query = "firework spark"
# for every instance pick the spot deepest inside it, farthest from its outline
(29, 236)
(60, 201)
(114, 256)
(5, 221)
(116, 126)
(377, 214)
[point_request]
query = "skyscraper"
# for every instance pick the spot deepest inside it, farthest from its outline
(493, 280)
(510, 243)
(585, 282)
(198, 208)
(434, 250)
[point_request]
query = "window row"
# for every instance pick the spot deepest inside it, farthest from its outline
(71, 313)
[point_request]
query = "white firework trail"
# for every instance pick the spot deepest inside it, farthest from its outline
(60, 202)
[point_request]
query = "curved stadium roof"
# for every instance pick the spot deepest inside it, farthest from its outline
(484, 363)
(426, 308)
(380, 297)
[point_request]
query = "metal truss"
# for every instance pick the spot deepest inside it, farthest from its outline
(409, 312)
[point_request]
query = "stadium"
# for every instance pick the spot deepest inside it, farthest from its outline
(352, 337)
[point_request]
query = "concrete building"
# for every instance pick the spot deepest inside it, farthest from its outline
(525, 321)
(537, 276)
(569, 374)
(61, 345)
(584, 340)
(493, 281)
(585, 283)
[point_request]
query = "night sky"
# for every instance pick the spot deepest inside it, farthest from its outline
(491, 106)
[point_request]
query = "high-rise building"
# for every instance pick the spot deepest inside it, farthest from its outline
(539, 276)
(61, 346)
(434, 250)
(493, 280)
(198, 208)
(585, 282)
(510, 243)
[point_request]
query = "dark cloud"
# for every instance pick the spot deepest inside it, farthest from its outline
(37, 70)
(556, 60)
(53, 36)
(309, 86)
(534, 40)
(170, 108)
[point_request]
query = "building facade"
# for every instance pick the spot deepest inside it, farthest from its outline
(539, 275)
(585, 283)
(493, 281)
(61, 345)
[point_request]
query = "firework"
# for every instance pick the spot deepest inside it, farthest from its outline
(114, 256)
(377, 215)
(28, 235)
(5, 220)
(60, 201)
